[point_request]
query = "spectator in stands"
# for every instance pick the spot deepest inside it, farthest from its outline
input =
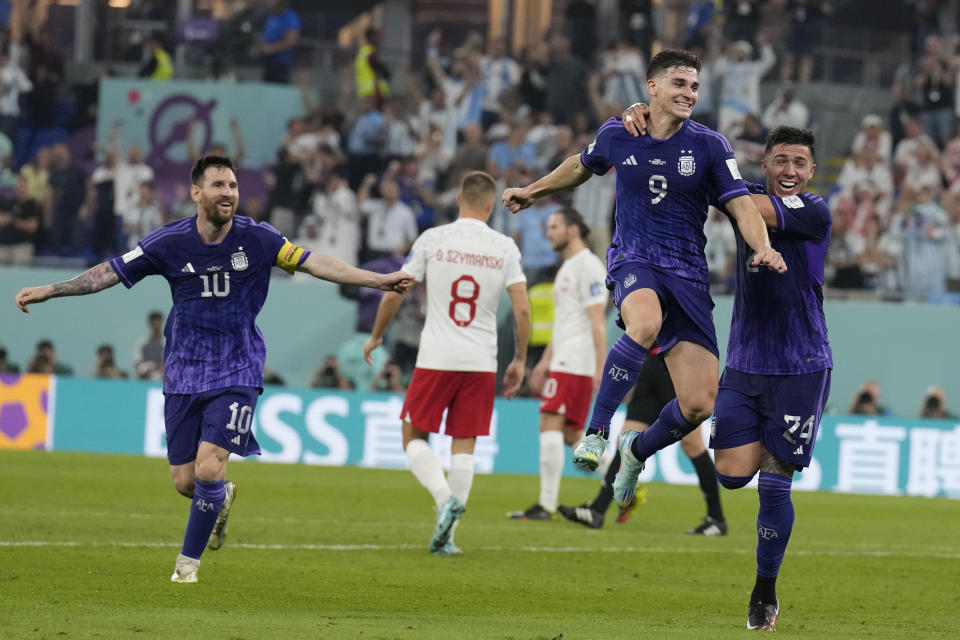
(143, 217)
(391, 224)
(105, 365)
(44, 360)
(923, 233)
(636, 20)
(148, 354)
(720, 250)
(287, 184)
(876, 256)
(68, 184)
(748, 139)
(417, 191)
(936, 79)
(37, 175)
(534, 79)
(159, 64)
(400, 130)
(46, 73)
(581, 23)
(950, 162)
(539, 258)
(328, 376)
(365, 142)
(624, 75)
(334, 226)
(566, 87)
(20, 226)
(866, 401)
(786, 110)
(499, 74)
(872, 136)
(740, 89)
(217, 148)
(472, 153)
(901, 111)
(5, 365)
(905, 151)
(13, 83)
(742, 20)
(99, 207)
(372, 75)
(461, 87)
(128, 175)
(842, 270)
(923, 170)
(515, 150)
(934, 405)
(869, 183)
(390, 378)
(280, 34)
(805, 22)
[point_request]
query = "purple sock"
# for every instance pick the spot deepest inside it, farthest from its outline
(204, 509)
(620, 372)
(774, 522)
(670, 427)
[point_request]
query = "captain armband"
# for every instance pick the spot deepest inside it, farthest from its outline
(290, 257)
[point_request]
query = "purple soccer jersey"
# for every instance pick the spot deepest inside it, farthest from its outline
(663, 190)
(778, 326)
(218, 289)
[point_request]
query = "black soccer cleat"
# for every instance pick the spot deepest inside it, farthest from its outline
(762, 616)
(710, 527)
(536, 512)
(582, 514)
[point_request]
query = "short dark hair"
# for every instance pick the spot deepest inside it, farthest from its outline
(155, 314)
(670, 58)
(572, 217)
(202, 164)
(477, 188)
(791, 135)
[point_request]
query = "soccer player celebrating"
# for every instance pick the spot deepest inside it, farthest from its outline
(656, 264)
(466, 266)
(572, 364)
(218, 267)
(777, 376)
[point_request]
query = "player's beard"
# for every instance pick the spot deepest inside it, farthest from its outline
(213, 213)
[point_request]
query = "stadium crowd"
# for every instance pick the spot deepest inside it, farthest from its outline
(360, 175)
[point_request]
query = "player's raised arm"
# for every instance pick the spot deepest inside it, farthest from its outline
(754, 230)
(521, 315)
(335, 270)
(569, 174)
(95, 279)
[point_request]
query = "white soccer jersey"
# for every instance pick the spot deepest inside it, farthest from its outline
(579, 284)
(466, 266)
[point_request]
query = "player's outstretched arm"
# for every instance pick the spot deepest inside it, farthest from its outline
(569, 174)
(335, 270)
(95, 279)
(521, 315)
(754, 231)
(389, 304)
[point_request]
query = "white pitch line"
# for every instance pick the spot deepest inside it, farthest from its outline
(527, 549)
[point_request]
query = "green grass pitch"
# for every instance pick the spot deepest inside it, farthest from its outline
(341, 553)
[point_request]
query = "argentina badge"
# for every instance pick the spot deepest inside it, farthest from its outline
(238, 260)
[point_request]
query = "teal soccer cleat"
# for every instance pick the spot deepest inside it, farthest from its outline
(219, 532)
(451, 511)
(625, 484)
(588, 451)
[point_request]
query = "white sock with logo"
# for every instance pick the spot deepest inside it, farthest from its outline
(551, 468)
(460, 478)
(428, 470)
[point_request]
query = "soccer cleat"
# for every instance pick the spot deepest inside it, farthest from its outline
(451, 511)
(588, 451)
(626, 510)
(710, 527)
(536, 512)
(219, 532)
(582, 514)
(763, 615)
(185, 570)
(625, 484)
(448, 549)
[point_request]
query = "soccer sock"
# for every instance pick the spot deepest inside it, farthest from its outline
(707, 475)
(620, 372)
(774, 524)
(602, 502)
(551, 467)
(428, 471)
(667, 429)
(460, 478)
(204, 509)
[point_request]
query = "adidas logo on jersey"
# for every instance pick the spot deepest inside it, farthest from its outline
(799, 451)
(235, 440)
(630, 161)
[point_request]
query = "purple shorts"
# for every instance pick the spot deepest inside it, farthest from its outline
(781, 412)
(222, 417)
(687, 310)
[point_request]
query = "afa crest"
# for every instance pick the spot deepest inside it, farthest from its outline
(238, 261)
(687, 166)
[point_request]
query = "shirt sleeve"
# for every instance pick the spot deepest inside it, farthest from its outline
(592, 289)
(138, 263)
(513, 271)
(724, 173)
(805, 215)
(596, 156)
(416, 262)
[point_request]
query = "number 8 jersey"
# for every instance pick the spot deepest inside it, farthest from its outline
(466, 266)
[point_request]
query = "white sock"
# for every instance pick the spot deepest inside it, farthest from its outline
(551, 468)
(428, 470)
(460, 478)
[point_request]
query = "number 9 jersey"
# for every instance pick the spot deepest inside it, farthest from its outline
(466, 266)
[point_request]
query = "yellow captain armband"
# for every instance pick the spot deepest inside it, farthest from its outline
(289, 257)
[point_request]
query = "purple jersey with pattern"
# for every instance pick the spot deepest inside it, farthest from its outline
(663, 190)
(218, 289)
(778, 325)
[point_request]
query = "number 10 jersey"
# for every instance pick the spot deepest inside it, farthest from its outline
(466, 266)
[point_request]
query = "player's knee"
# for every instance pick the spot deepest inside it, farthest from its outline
(733, 482)
(643, 331)
(692, 444)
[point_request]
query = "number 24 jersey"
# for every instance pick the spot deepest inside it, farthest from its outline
(466, 266)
